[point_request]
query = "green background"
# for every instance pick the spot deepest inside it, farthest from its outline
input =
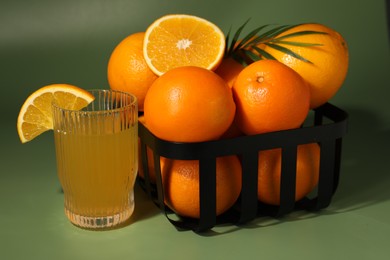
(46, 41)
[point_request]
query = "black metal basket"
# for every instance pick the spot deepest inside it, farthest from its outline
(327, 129)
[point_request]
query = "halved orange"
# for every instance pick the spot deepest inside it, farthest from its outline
(183, 40)
(36, 117)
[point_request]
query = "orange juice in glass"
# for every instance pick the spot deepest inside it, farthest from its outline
(96, 151)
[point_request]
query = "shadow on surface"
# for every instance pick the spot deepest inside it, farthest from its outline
(144, 208)
(364, 178)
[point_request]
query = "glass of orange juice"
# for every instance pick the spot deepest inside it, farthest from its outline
(96, 152)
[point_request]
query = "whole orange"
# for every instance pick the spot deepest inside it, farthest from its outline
(328, 64)
(189, 104)
(270, 96)
(181, 184)
(127, 70)
(269, 172)
(229, 70)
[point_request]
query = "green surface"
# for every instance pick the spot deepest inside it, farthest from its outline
(43, 42)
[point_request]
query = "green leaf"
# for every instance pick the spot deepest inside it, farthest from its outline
(278, 30)
(252, 55)
(248, 46)
(287, 51)
(264, 53)
(268, 35)
(301, 33)
(247, 40)
(236, 36)
(238, 58)
(227, 41)
(300, 44)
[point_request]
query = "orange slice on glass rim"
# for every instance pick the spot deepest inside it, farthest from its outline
(36, 117)
(183, 40)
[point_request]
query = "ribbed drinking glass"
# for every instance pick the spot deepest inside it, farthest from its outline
(96, 151)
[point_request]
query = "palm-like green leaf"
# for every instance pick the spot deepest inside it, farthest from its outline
(264, 54)
(287, 51)
(227, 47)
(274, 32)
(249, 39)
(252, 55)
(300, 44)
(301, 33)
(236, 37)
(248, 46)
